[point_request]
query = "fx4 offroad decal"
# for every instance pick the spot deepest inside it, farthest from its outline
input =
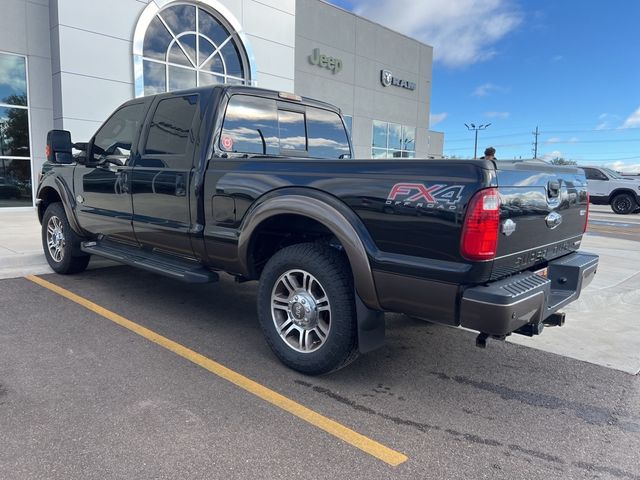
(419, 195)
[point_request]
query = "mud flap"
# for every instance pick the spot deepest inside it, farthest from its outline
(370, 327)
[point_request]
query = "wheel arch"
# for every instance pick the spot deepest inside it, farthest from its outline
(327, 211)
(56, 190)
(620, 190)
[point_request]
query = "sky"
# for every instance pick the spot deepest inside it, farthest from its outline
(569, 67)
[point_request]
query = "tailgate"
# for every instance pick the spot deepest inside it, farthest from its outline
(542, 215)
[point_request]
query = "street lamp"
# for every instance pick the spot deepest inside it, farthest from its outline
(473, 127)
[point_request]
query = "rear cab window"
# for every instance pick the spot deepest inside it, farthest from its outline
(261, 126)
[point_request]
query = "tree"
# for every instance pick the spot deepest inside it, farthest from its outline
(14, 128)
(562, 161)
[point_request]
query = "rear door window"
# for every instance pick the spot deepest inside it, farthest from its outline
(593, 174)
(171, 125)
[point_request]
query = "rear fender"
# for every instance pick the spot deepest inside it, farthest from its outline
(328, 213)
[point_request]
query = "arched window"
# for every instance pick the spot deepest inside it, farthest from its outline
(183, 45)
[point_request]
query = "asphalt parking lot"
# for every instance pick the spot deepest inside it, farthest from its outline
(83, 397)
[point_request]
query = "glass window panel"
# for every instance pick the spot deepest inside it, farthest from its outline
(181, 78)
(180, 18)
(348, 120)
(206, 49)
(395, 136)
(379, 134)
(292, 132)
(250, 126)
(327, 135)
(15, 183)
(176, 55)
(212, 28)
(232, 60)
(116, 135)
(379, 153)
(13, 80)
(155, 80)
(209, 79)
(408, 154)
(14, 132)
(394, 154)
(188, 42)
(408, 138)
(169, 130)
(156, 40)
(214, 65)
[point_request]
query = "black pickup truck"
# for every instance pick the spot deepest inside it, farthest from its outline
(261, 185)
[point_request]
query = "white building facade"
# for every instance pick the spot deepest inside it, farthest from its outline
(67, 64)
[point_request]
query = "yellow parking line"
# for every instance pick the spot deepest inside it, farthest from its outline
(377, 450)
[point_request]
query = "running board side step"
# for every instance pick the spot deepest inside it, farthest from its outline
(163, 264)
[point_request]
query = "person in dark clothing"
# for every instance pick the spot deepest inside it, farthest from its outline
(489, 154)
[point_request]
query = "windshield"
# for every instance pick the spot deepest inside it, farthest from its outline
(613, 174)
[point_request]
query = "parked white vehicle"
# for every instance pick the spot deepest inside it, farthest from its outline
(607, 187)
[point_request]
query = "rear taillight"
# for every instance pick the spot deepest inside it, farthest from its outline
(586, 216)
(480, 229)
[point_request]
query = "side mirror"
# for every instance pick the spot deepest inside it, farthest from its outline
(59, 146)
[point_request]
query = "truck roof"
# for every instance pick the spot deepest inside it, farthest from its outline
(246, 90)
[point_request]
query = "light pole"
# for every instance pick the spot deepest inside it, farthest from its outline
(471, 126)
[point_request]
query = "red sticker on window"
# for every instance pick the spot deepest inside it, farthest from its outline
(227, 143)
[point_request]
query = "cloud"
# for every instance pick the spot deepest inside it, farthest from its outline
(557, 58)
(623, 167)
(573, 140)
(607, 120)
(436, 118)
(552, 140)
(12, 74)
(486, 89)
(497, 114)
(462, 32)
(633, 120)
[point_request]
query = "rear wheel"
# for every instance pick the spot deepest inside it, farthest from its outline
(306, 308)
(61, 244)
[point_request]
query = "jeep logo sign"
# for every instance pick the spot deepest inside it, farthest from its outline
(324, 61)
(387, 79)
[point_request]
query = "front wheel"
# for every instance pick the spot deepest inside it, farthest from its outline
(306, 308)
(623, 204)
(61, 244)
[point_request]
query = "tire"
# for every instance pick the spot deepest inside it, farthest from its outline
(60, 243)
(623, 204)
(306, 308)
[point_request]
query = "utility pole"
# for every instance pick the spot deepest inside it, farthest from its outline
(473, 127)
(535, 143)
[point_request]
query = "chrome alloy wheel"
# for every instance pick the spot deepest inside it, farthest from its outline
(55, 239)
(301, 311)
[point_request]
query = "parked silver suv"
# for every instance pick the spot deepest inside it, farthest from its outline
(607, 187)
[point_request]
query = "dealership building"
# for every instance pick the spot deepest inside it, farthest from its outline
(67, 64)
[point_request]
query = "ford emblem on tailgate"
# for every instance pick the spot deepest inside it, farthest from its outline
(553, 220)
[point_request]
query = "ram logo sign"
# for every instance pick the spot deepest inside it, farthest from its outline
(418, 195)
